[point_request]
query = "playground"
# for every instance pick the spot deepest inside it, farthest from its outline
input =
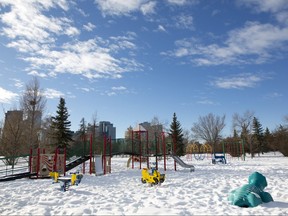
(41, 162)
(121, 192)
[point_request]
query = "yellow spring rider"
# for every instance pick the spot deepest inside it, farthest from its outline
(154, 178)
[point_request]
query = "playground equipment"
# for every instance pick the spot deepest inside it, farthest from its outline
(218, 158)
(235, 149)
(54, 176)
(152, 178)
(252, 194)
(42, 163)
(181, 163)
(200, 151)
(66, 182)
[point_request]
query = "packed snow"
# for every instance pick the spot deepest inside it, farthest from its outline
(121, 192)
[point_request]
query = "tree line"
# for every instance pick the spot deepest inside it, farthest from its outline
(24, 128)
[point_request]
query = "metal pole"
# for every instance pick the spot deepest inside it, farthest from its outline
(164, 149)
(104, 154)
(132, 149)
(65, 160)
(140, 148)
(243, 150)
(147, 149)
(174, 150)
(90, 170)
(110, 145)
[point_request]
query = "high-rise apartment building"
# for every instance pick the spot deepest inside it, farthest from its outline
(107, 128)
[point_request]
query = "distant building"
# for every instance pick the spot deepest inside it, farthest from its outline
(12, 115)
(105, 127)
(29, 125)
(150, 129)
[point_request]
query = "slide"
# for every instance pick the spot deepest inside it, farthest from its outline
(17, 176)
(76, 162)
(181, 163)
(69, 166)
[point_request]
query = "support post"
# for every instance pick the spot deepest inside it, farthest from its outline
(132, 149)
(90, 152)
(164, 149)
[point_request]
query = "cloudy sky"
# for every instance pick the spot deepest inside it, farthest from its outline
(130, 61)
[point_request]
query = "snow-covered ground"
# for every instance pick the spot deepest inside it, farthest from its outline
(203, 192)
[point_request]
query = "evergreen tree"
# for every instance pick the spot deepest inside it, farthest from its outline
(235, 134)
(61, 127)
(268, 138)
(246, 138)
(83, 129)
(258, 134)
(177, 134)
(83, 134)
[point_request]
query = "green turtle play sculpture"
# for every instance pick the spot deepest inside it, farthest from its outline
(252, 194)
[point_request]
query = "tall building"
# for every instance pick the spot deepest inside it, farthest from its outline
(105, 127)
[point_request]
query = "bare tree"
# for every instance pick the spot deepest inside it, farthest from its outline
(33, 103)
(156, 126)
(46, 131)
(13, 136)
(209, 129)
(242, 122)
(243, 125)
(286, 120)
(186, 137)
(95, 136)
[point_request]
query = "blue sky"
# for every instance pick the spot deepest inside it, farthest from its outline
(130, 61)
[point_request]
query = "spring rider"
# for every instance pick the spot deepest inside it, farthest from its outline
(152, 178)
(252, 194)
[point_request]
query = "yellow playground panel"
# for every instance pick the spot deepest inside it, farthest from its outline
(194, 148)
(198, 150)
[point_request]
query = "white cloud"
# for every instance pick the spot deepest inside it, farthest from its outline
(52, 93)
(111, 93)
(206, 102)
(38, 37)
(278, 8)
(36, 73)
(254, 43)
(119, 88)
(282, 17)
(89, 27)
(245, 80)
(116, 90)
(161, 28)
(85, 89)
(274, 95)
(120, 8)
(7, 96)
(85, 58)
(26, 21)
(18, 83)
(148, 8)
(182, 2)
(266, 5)
(184, 22)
